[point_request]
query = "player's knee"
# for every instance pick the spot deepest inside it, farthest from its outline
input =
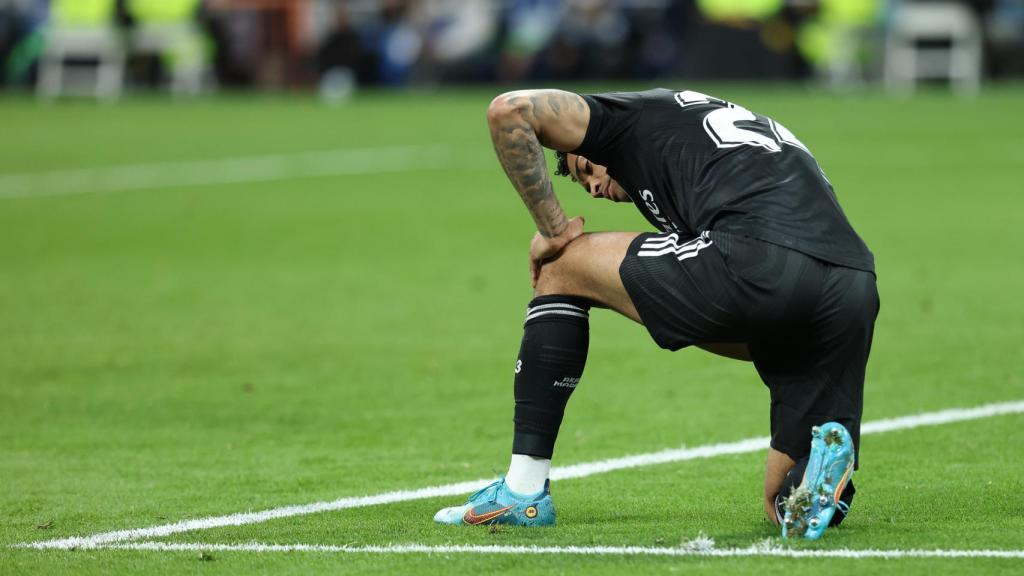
(553, 280)
(559, 276)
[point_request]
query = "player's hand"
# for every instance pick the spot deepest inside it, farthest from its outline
(543, 248)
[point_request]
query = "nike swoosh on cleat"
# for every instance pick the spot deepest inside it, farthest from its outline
(471, 518)
(842, 483)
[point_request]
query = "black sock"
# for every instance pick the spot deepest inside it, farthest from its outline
(551, 359)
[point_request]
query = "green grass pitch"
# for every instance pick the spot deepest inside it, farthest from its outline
(175, 352)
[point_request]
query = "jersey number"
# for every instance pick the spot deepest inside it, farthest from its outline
(720, 124)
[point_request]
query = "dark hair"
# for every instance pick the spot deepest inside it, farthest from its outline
(562, 169)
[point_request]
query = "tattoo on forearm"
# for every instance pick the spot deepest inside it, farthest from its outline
(519, 150)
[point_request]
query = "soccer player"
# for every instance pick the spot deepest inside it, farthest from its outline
(754, 260)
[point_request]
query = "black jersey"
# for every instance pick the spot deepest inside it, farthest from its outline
(691, 163)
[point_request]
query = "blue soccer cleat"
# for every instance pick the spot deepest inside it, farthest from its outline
(497, 504)
(810, 507)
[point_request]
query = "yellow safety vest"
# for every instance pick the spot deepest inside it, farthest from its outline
(850, 12)
(82, 12)
(816, 38)
(719, 10)
(163, 11)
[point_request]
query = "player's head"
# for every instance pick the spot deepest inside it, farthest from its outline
(593, 177)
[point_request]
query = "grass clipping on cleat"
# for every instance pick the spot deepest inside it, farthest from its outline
(797, 504)
(834, 437)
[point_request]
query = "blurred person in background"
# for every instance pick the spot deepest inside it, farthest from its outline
(733, 39)
(838, 39)
(339, 59)
(239, 53)
(395, 42)
(90, 35)
(121, 40)
(529, 26)
(16, 31)
(1005, 25)
(458, 40)
(590, 42)
(171, 32)
(656, 38)
(401, 42)
(10, 32)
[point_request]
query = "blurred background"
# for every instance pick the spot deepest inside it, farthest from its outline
(103, 47)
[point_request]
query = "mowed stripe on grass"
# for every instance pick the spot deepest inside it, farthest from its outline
(238, 170)
(583, 470)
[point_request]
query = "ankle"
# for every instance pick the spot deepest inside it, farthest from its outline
(527, 475)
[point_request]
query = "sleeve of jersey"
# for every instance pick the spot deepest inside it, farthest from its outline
(613, 118)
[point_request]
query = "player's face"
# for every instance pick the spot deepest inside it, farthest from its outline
(595, 179)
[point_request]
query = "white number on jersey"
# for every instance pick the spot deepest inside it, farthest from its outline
(720, 125)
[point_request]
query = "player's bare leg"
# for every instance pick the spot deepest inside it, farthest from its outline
(589, 267)
(775, 470)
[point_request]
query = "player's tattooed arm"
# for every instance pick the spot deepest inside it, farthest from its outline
(524, 122)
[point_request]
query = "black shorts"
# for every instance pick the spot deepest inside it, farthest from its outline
(807, 323)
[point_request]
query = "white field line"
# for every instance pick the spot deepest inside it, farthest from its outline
(244, 169)
(562, 473)
(768, 548)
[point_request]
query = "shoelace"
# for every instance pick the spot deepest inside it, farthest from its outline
(843, 507)
(493, 486)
